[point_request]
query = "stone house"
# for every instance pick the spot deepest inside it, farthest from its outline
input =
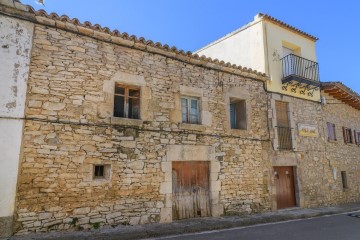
(341, 111)
(112, 129)
(300, 153)
(119, 130)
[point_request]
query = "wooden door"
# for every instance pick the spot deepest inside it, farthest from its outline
(190, 189)
(285, 188)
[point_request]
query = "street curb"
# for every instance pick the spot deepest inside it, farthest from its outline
(190, 225)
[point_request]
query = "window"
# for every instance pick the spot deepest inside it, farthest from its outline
(331, 131)
(190, 107)
(344, 180)
(283, 125)
(357, 137)
(101, 172)
(238, 114)
(127, 102)
(348, 138)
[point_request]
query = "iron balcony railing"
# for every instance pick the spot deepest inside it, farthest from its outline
(295, 66)
(285, 139)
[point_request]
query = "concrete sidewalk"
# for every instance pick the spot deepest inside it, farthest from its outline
(190, 225)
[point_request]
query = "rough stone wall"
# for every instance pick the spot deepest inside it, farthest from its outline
(341, 156)
(70, 127)
(15, 47)
(308, 155)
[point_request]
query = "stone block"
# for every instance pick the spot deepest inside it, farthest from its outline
(81, 211)
(166, 215)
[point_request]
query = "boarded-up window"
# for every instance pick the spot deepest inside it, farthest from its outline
(283, 125)
(344, 179)
(331, 131)
(348, 137)
(238, 114)
(127, 102)
(190, 108)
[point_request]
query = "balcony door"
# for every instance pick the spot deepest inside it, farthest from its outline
(283, 125)
(287, 51)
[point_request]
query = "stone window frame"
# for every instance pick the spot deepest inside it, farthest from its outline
(130, 80)
(240, 94)
(106, 174)
(205, 114)
(186, 153)
(274, 98)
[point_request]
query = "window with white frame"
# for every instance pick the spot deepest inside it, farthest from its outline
(126, 102)
(190, 109)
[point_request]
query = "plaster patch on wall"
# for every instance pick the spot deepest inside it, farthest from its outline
(16, 43)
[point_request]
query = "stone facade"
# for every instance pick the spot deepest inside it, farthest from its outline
(70, 128)
(341, 156)
(307, 155)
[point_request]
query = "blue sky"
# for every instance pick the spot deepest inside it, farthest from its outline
(191, 24)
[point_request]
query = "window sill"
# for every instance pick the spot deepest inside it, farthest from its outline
(193, 127)
(237, 131)
(126, 121)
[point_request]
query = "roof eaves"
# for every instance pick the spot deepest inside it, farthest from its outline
(283, 24)
(116, 37)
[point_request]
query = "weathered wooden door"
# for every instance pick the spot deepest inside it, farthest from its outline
(285, 188)
(190, 189)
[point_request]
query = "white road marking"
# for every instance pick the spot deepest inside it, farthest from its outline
(252, 226)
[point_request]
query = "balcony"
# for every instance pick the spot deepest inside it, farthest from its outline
(298, 72)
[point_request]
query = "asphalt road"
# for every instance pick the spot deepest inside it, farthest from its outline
(335, 227)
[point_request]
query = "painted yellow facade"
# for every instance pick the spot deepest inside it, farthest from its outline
(260, 45)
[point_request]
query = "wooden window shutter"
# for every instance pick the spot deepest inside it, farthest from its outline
(356, 137)
(345, 134)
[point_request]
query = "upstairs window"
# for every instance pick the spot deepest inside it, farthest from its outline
(331, 132)
(190, 108)
(283, 125)
(238, 114)
(127, 102)
(348, 137)
(357, 137)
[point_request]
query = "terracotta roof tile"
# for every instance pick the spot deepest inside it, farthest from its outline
(73, 24)
(283, 24)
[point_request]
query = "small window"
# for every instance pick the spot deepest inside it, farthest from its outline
(101, 172)
(357, 137)
(190, 108)
(238, 114)
(331, 132)
(127, 102)
(344, 179)
(348, 137)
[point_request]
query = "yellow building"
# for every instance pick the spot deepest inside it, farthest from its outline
(286, 54)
